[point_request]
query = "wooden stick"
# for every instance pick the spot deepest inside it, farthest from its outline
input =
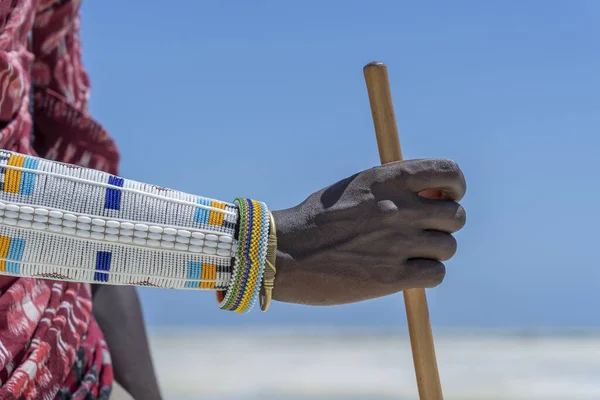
(415, 300)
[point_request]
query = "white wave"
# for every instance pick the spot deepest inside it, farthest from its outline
(340, 365)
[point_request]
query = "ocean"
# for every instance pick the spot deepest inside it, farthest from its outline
(318, 364)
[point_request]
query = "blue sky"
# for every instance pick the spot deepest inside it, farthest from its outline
(266, 99)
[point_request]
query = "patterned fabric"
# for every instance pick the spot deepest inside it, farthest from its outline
(63, 222)
(50, 345)
(64, 131)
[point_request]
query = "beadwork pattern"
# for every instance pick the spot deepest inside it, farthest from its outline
(246, 277)
(60, 221)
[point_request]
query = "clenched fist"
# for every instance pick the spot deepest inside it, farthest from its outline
(375, 233)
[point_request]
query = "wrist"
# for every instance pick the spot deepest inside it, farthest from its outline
(287, 222)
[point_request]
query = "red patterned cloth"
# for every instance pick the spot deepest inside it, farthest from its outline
(50, 344)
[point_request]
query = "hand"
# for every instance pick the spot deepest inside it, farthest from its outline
(376, 233)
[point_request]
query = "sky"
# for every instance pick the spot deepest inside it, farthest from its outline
(266, 99)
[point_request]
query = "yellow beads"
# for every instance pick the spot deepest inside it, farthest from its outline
(209, 273)
(215, 217)
(243, 290)
(4, 245)
(12, 180)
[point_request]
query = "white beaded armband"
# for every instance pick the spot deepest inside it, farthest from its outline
(60, 221)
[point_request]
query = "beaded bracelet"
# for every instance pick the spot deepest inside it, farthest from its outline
(63, 222)
(249, 265)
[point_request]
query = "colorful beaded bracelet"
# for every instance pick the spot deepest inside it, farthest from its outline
(249, 264)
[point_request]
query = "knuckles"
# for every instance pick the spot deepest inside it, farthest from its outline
(446, 166)
(395, 172)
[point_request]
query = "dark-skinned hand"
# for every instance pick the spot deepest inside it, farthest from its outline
(376, 233)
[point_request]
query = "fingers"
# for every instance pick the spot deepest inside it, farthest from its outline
(425, 273)
(441, 215)
(434, 245)
(424, 175)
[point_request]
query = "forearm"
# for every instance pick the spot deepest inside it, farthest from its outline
(85, 225)
(118, 312)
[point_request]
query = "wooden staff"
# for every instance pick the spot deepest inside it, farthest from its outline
(415, 300)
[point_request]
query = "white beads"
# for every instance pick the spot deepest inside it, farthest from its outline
(170, 231)
(140, 227)
(184, 233)
(210, 251)
(84, 219)
(155, 229)
(41, 211)
(225, 239)
(127, 225)
(111, 230)
(55, 214)
(82, 233)
(212, 237)
(70, 217)
(24, 224)
(223, 252)
(125, 239)
(39, 225)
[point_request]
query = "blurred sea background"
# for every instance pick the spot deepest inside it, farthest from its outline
(321, 364)
(267, 100)
(329, 362)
